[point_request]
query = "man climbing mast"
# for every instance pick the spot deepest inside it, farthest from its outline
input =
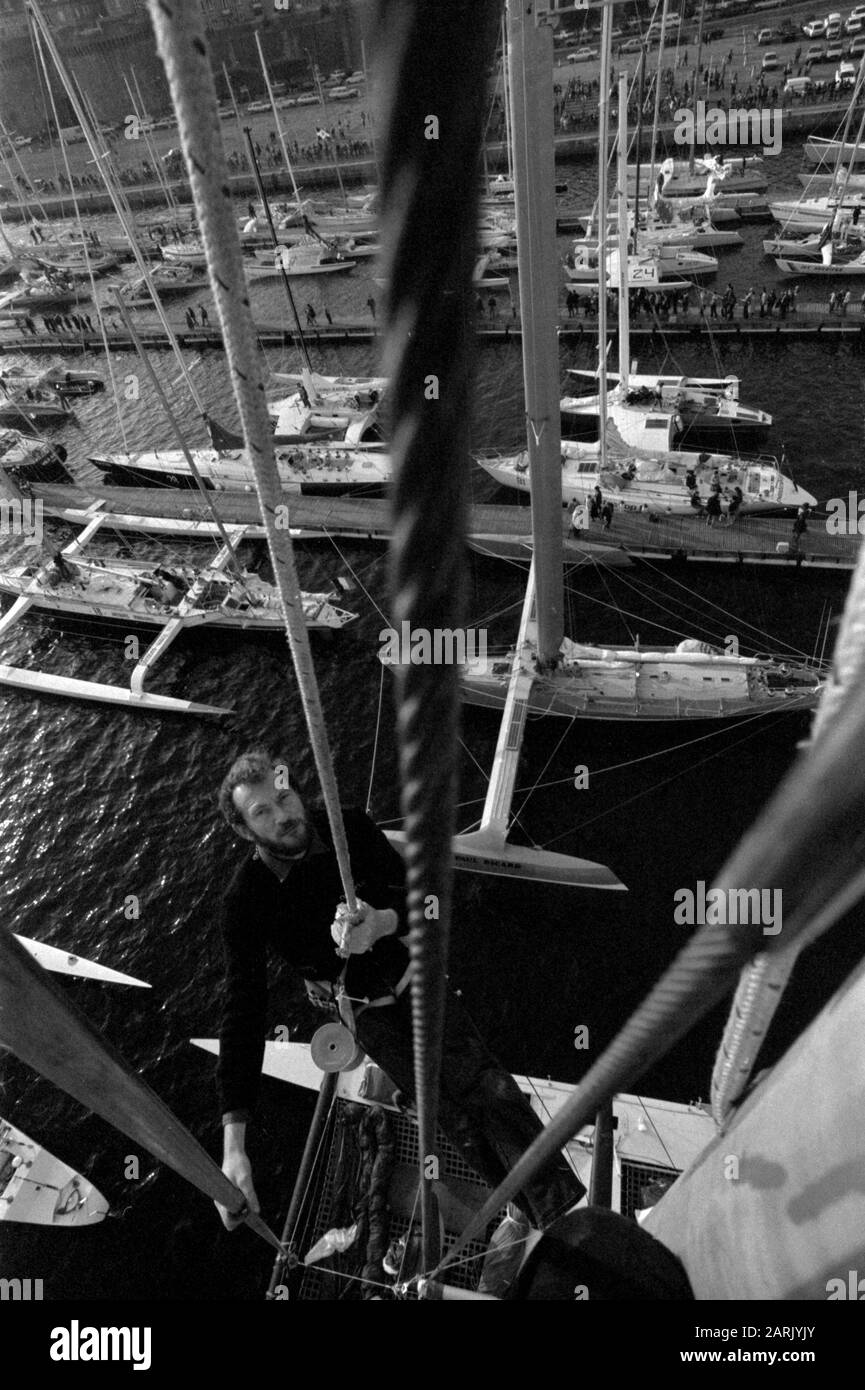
(285, 898)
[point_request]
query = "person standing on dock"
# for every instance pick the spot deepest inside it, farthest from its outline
(800, 526)
(283, 903)
(746, 303)
(205, 321)
(328, 317)
(832, 301)
(845, 300)
(310, 316)
(370, 304)
(607, 514)
(713, 507)
(190, 319)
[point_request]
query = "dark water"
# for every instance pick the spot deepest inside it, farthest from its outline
(97, 805)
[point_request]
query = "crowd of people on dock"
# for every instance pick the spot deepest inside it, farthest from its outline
(704, 304)
(729, 87)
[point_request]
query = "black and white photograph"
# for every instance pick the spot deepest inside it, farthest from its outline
(413, 414)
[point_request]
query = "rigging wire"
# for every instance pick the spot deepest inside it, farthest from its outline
(375, 741)
(742, 623)
(638, 796)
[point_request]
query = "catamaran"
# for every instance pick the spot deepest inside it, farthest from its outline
(659, 414)
(134, 591)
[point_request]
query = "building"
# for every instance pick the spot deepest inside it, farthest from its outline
(105, 40)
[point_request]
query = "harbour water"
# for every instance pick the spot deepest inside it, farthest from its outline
(111, 845)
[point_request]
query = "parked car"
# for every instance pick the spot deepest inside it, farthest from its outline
(845, 75)
(833, 30)
(857, 47)
(771, 61)
(834, 51)
(765, 36)
(814, 28)
(631, 46)
(798, 87)
(816, 53)
(583, 55)
(854, 26)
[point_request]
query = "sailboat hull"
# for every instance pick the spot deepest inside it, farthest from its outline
(35, 1187)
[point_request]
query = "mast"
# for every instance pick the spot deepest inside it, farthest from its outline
(603, 199)
(316, 77)
(696, 87)
(622, 182)
(657, 111)
(121, 207)
(280, 136)
(507, 96)
(370, 116)
(531, 65)
(233, 102)
(307, 365)
(639, 140)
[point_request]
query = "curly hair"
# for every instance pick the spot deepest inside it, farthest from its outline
(255, 765)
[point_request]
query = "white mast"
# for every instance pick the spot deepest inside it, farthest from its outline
(624, 306)
(603, 200)
(281, 137)
(651, 188)
(531, 63)
(506, 88)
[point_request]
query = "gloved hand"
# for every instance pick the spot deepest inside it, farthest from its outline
(356, 932)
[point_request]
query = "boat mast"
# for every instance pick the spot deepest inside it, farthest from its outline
(233, 102)
(638, 151)
(121, 207)
(276, 246)
(508, 97)
(696, 88)
(280, 136)
(847, 173)
(603, 199)
(657, 110)
(622, 181)
(530, 43)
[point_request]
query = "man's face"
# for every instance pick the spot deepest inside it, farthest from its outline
(273, 816)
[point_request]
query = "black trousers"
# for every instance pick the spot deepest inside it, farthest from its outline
(482, 1110)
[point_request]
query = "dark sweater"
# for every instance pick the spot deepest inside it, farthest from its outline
(293, 919)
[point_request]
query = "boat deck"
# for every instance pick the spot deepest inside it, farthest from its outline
(751, 540)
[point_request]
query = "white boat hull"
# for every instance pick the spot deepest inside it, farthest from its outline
(35, 1187)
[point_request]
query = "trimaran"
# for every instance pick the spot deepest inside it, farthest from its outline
(738, 1236)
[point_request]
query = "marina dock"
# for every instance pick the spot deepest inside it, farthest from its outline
(499, 530)
(810, 321)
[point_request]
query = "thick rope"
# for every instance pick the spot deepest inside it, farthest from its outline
(180, 41)
(432, 60)
(809, 843)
